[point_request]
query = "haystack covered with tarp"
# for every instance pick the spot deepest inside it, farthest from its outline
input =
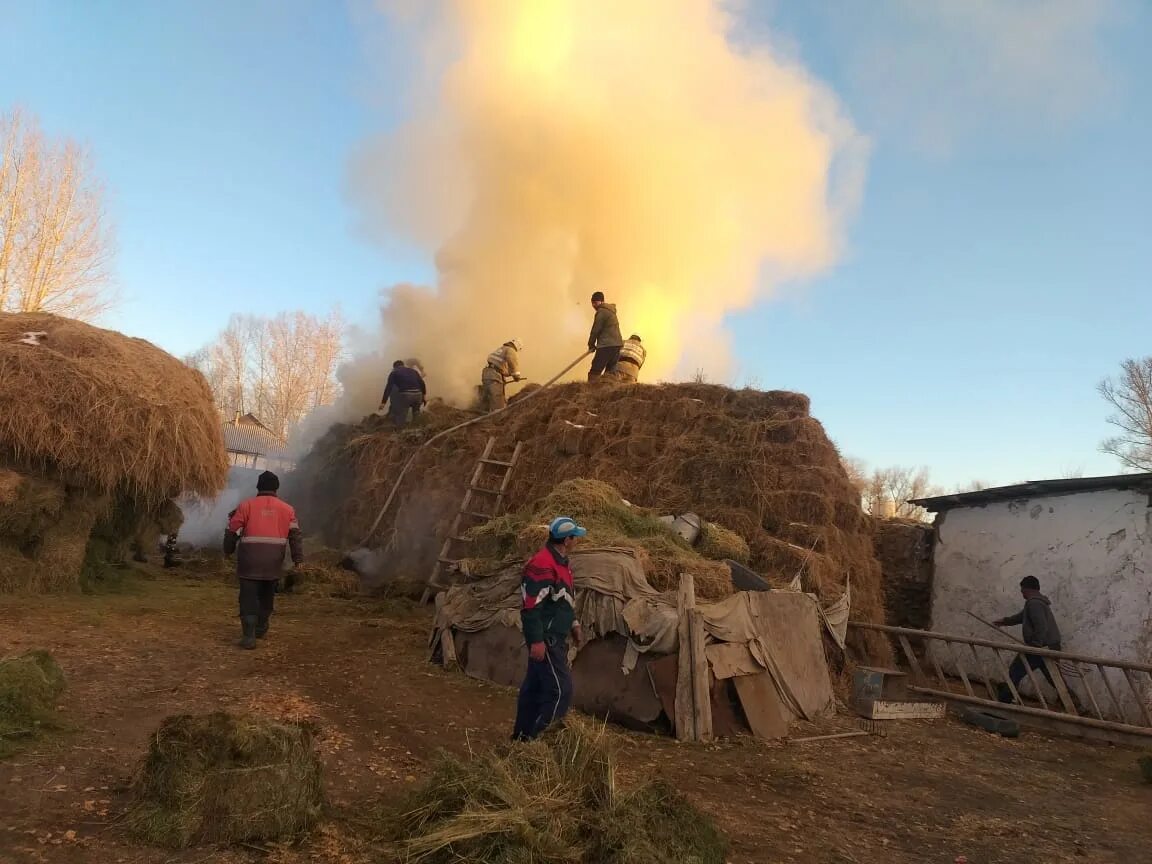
(94, 426)
(765, 650)
(755, 463)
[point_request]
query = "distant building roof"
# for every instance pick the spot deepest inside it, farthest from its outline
(1036, 489)
(246, 434)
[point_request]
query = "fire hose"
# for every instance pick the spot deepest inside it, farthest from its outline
(458, 426)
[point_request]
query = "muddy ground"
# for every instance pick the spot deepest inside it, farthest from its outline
(927, 792)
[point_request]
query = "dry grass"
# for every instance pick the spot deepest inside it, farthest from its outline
(552, 801)
(106, 411)
(610, 522)
(719, 543)
(754, 462)
(30, 684)
(225, 778)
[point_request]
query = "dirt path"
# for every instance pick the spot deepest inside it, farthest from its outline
(925, 793)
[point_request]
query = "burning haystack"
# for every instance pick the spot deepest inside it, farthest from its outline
(754, 462)
(95, 427)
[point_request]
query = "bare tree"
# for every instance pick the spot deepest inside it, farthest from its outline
(55, 244)
(276, 368)
(889, 491)
(1130, 394)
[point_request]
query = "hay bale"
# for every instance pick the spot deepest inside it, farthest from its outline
(50, 556)
(219, 778)
(30, 685)
(553, 800)
(110, 412)
(718, 543)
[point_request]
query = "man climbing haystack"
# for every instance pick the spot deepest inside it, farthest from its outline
(259, 531)
(604, 337)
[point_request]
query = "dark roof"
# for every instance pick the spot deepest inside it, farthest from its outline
(246, 434)
(1036, 489)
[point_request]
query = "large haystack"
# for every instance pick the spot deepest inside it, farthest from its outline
(754, 462)
(89, 418)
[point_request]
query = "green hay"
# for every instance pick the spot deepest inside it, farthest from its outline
(719, 543)
(220, 777)
(30, 685)
(551, 801)
(610, 522)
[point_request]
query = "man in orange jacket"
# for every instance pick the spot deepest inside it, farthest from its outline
(259, 531)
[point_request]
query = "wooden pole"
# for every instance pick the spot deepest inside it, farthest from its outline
(701, 692)
(685, 691)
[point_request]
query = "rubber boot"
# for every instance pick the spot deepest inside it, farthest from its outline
(262, 627)
(248, 625)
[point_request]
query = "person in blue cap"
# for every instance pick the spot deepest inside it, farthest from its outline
(548, 615)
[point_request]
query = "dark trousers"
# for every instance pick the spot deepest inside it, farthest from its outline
(402, 403)
(545, 694)
(1017, 672)
(603, 361)
(257, 597)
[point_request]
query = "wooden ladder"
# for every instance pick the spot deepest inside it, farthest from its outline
(472, 514)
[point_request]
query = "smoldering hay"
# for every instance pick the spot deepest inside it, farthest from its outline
(558, 147)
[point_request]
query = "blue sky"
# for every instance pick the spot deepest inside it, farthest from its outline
(999, 266)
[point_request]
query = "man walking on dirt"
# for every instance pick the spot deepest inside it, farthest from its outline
(604, 338)
(548, 615)
(259, 532)
(1040, 631)
(405, 392)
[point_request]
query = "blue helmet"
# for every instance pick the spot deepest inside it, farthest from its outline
(563, 527)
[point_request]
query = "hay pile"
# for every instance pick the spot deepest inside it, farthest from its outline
(554, 800)
(219, 778)
(92, 421)
(610, 522)
(30, 685)
(904, 549)
(754, 462)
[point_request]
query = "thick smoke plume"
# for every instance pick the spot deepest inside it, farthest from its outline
(559, 147)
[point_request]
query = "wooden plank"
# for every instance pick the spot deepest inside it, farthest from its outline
(729, 659)
(913, 663)
(940, 676)
(1007, 677)
(1091, 696)
(1061, 688)
(983, 669)
(448, 649)
(886, 709)
(766, 714)
(959, 661)
(1130, 677)
(685, 720)
(1116, 704)
(701, 690)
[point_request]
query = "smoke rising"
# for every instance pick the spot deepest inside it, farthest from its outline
(559, 147)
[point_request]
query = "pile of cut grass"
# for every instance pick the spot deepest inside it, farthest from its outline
(720, 544)
(599, 507)
(223, 778)
(551, 801)
(30, 685)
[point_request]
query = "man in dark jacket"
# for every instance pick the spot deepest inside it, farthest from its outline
(259, 532)
(405, 393)
(548, 615)
(604, 338)
(1040, 631)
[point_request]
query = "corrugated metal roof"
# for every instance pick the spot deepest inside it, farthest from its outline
(1036, 489)
(246, 434)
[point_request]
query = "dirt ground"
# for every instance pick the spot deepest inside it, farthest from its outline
(927, 792)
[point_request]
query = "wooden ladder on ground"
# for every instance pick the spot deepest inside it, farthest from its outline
(488, 471)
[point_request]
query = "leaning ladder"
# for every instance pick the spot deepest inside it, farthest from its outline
(472, 514)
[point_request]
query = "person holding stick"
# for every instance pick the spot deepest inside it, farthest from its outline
(1040, 631)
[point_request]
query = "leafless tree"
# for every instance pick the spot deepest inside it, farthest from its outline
(55, 244)
(1130, 395)
(889, 491)
(276, 368)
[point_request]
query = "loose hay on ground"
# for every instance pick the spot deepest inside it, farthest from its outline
(30, 685)
(553, 800)
(226, 778)
(719, 543)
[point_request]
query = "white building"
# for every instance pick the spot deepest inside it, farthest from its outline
(251, 444)
(1086, 539)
